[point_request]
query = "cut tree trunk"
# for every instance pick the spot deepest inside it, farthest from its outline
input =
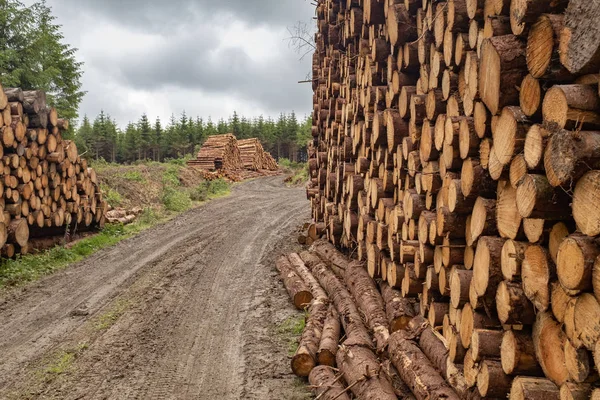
(329, 338)
(416, 370)
(362, 372)
(580, 39)
(295, 286)
(325, 385)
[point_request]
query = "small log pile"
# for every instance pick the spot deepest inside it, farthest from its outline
(456, 154)
(46, 188)
(123, 216)
(254, 157)
(219, 152)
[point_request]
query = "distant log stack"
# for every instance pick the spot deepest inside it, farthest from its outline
(219, 152)
(46, 188)
(254, 157)
(456, 153)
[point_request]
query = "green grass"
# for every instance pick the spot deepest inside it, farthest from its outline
(176, 200)
(134, 176)
(297, 172)
(290, 330)
(113, 197)
(61, 362)
(171, 176)
(29, 268)
(210, 190)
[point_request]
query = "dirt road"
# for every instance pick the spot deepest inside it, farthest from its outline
(187, 310)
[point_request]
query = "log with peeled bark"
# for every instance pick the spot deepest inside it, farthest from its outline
(295, 286)
(305, 358)
(586, 211)
(548, 341)
(326, 385)
(580, 39)
(416, 370)
(330, 338)
(356, 332)
(399, 310)
(362, 371)
(529, 388)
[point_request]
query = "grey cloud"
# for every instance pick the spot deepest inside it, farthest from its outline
(163, 15)
(192, 60)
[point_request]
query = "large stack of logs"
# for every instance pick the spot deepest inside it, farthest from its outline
(219, 152)
(456, 144)
(46, 188)
(254, 157)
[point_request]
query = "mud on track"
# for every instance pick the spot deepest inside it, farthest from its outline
(186, 310)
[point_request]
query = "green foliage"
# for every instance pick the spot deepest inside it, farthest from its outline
(113, 197)
(300, 176)
(291, 329)
(134, 176)
(33, 55)
(176, 200)
(210, 190)
(171, 175)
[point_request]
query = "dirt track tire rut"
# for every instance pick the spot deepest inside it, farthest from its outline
(186, 310)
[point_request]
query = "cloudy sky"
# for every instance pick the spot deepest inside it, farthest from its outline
(207, 57)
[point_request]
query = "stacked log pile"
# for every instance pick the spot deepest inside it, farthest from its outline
(254, 157)
(456, 148)
(46, 188)
(219, 152)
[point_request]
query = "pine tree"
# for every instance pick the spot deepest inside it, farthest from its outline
(222, 127)
(157, 140)
(210, 127)
(33, 55)
(84, 136)
(132, 143)
(234, 124)
(145, 136)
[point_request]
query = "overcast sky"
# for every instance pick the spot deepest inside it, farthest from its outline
(207, 57)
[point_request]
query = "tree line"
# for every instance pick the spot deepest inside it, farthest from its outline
(285, 137)
(33, 55)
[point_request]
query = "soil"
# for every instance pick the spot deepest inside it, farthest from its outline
(191, 309)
